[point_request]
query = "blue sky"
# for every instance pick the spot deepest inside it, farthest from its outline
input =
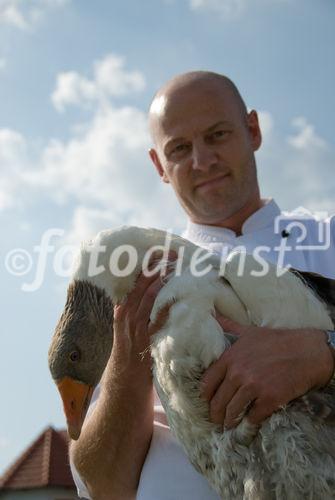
(76, 79)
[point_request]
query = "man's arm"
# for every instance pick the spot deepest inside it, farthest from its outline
(111, 450)
(264, 370)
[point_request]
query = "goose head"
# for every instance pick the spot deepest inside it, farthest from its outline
(80, 349)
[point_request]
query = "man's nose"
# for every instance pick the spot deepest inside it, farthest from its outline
(203, 157)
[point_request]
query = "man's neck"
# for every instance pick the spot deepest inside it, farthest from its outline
(236, 221)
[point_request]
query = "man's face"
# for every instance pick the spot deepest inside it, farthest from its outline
(205, 146)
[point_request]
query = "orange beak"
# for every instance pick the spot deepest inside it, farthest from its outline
(76, 398)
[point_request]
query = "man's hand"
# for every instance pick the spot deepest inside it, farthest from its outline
(132, 326)
(264, 370)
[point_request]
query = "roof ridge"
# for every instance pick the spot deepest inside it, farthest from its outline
(47, 454)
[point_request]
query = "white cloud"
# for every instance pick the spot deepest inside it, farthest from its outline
(95, 165)
(228, 8)
(306, 138)
(23, 14)
(13, 158)
(298, 169)
(87, 222)
(4, 442)
(110, 79)
(113, 80)
(12, 145)
(225, 7)
(12, 15)
(3, 63)
(266, 124)
(71, 88)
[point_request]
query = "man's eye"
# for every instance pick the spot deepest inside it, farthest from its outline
(179, 148)
(218, 134)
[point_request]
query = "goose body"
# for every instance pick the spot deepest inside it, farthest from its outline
(292, 455)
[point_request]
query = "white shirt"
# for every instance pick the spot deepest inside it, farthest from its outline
(307, 244)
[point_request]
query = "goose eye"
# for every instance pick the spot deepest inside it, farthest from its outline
(75, 356)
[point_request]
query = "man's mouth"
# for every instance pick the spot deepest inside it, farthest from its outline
(209, 183)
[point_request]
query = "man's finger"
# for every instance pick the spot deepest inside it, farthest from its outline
(220, 401)
(212, 378)
(160, 320)
(148, 298)
(142, 284)
(151, 292)
(239, 405)
(160, 263)
(259, 411)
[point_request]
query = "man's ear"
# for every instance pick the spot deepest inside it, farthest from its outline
(254, 129)
(155, 160)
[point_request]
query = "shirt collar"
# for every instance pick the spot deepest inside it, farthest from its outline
(263, 217)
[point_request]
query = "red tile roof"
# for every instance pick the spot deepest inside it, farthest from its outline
(44, 463)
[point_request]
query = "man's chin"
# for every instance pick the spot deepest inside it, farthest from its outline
(214, 214)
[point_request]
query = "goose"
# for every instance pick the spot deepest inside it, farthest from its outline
(291, 456)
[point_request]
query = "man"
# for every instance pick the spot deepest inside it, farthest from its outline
(204, 145)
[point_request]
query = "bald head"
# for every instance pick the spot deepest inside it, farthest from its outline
(176, 89)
